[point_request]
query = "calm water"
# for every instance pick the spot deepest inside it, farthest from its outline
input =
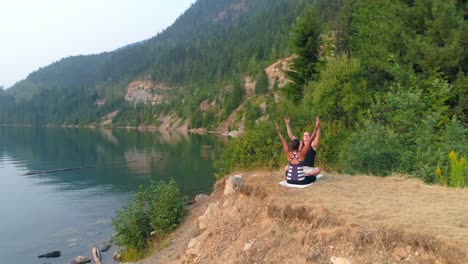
(71, 211)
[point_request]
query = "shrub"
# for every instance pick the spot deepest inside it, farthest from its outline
(374, 149)
(158, 208)
(257, 148)
(167, 207)
(458, 175)
(132, 223)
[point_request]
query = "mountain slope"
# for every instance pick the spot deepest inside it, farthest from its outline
(213, 44)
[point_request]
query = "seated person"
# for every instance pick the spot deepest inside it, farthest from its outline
(309, 160)
(295, 156)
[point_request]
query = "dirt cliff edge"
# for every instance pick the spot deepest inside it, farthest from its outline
(339, 219)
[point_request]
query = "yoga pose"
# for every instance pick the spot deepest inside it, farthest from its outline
(295, 156)
(309, 160)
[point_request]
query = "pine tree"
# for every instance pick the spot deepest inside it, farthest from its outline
(306, 45)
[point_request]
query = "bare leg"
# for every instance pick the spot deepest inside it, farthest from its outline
(314, 172)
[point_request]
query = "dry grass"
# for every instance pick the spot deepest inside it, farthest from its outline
(362, 219)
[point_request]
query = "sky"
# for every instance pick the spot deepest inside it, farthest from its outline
(36, 33)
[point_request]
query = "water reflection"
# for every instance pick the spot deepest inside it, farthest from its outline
(72, 210)
(120, 159)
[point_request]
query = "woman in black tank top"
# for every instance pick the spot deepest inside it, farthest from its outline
(309, 159)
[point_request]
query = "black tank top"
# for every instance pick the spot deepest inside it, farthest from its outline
(309, 159)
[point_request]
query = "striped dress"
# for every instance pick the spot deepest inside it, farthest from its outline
(295, 171)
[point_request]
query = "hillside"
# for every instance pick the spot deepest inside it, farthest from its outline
(387, 78)
(339, 219)
(208, 49)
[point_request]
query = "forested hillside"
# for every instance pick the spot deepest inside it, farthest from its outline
(388, 79)
(214, 44)
(392, 92)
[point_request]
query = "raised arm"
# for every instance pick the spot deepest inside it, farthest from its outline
(285, 145)
(316, 137)
(290, 134)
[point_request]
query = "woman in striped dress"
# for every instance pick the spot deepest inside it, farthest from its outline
(295, 157)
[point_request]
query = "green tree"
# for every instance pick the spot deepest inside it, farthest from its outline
(262, 83)
(306, 44)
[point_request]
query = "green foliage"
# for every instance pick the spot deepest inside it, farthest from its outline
(130, 254)
(391, 88)
(158, 208)
(132, 223)
(341, 91)
(458, 170)
(372, 150)
(306, 44)
(199, 55)
(233, 98)
(458, 175)
(257, 148)
(253, 112)
(262, 83)
(167, 207)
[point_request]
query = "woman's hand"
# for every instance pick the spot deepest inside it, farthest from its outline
(277, 126)
(287, 120)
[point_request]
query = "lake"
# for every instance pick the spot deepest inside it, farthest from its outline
(72, 210)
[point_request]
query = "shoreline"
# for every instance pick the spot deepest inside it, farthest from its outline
(150, 128)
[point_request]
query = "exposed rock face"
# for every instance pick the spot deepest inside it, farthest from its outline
(249, 86)
(146, 92)
(107, 119)
(209, 217)
(275, 72)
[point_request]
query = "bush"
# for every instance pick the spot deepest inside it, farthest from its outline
(374, 149)
(458, 175)
(257, 148)
(158, 208)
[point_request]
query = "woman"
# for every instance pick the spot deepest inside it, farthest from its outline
(309, 160)
(295, 173)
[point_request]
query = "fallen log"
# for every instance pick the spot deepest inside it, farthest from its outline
(96, 255)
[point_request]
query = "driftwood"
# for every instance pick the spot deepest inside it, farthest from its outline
(49, 171)
(80, 260)
(96, 255)
(74, 168)
(53, 254)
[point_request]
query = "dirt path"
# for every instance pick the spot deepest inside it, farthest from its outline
(358, 219)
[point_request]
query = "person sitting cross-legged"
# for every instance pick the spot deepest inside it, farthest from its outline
(295, 156)
(314, 139)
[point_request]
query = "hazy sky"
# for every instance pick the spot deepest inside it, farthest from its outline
(35, 33)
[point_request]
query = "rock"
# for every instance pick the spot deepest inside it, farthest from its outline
(53, 254)
(192, 242)
(200, 197)
(229, 202)
(401, 253)
(117, 257)
(106, 247)
(338, 260)
(80, 259)
(247, 246)
(233, 183)
(211, 212)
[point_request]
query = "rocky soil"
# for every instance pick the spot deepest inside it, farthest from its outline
(339, 219)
